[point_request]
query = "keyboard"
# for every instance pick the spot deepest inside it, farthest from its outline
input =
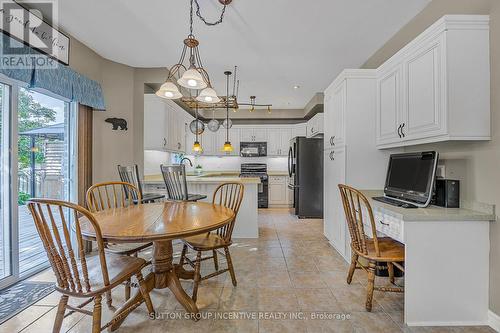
(394, 202)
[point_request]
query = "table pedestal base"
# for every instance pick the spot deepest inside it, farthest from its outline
(165, 275)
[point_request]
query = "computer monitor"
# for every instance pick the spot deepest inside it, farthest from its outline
(410, 177)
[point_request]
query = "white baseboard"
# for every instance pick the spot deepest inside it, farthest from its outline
(494, 320)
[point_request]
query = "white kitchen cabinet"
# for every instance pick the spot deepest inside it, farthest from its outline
(389, 105)
(299, 130)
(315, 125)
(334, 224)
(155, 123)
(278, 191)
(278, 141)
(253, 134)
(351, 100)
(437, 88)
(208, 141)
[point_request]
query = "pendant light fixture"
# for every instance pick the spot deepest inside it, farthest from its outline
(227, 145)
(194, 76)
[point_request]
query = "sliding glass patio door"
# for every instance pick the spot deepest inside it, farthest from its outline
(5, 184)
(38, 159)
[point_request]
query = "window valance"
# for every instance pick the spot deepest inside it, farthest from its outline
(27, 65)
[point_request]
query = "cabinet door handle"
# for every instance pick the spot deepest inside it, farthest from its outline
(386, 224)
(399, 133)
(164, 142)
(403, 133)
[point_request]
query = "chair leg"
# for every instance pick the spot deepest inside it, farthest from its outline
(197, 275)
(230, 265)
(96, 314)
(371, 285)
(109, 299)
(352, 268)
(145, 292)
(183, 255)
(61, 309)
(216, 262)
(390, 268)
(127, 289)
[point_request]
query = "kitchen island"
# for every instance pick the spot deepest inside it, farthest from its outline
(206, 183)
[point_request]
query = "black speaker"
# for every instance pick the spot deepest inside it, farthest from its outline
(447, 193)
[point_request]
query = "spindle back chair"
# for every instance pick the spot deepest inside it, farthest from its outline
(229, 195)
(374, 249)
(77, 276)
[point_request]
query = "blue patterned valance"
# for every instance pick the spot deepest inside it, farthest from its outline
(88, 92)
(22, 63)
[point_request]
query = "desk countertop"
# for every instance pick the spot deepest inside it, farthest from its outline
(476, 212)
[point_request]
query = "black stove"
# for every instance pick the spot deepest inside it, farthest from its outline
(253, 170)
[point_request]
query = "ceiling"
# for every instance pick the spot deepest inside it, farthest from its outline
(276, 44)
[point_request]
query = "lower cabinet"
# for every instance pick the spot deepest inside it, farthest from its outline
(279, 195)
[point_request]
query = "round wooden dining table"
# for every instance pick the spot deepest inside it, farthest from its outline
(159, 223)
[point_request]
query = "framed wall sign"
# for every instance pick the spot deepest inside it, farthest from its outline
(30, 29)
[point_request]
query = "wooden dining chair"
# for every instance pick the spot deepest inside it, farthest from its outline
(229, 195)
(176, 183)
(130, 174)
(375, 249)
(76, 275)
(110, 195)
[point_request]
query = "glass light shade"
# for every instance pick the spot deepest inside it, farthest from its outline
(169, 90)
(227, 123)
(208, 95)
(192, 79)
(197, 127)
(213, 125)
(197, 147)
(227, 147)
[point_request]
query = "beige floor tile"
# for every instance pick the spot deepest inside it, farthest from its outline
(373, 322)
(231, 326)
(272, 278)
(280, 326)
(300, 264)
(239, 298)
(24, 318)
(47, 320)
(277, 299)
(352, 298)
(317, 300)
(307, 280)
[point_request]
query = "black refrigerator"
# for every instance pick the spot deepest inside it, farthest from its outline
(305, 168)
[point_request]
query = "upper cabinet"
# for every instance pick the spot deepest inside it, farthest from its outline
(253, 134)
(164, 125)
(437, 88)
(315, 125)
(278, 141)
(155, 123)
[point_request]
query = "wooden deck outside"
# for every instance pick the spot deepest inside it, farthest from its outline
(31, 251)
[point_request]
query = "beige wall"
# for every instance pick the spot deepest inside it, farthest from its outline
(477, 164)
(110, 147)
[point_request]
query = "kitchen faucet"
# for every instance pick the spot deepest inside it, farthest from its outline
(185, 158)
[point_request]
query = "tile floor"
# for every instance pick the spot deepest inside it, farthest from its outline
(290, 270)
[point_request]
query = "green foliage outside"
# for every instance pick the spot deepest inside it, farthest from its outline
(31, 115)
(22, 197)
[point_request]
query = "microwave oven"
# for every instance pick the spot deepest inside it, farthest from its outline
(253, 149)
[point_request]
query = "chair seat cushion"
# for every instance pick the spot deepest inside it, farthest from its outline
(390, 250)
(207, 241)
(126, 248)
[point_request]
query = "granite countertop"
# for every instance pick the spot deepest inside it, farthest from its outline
(468, 212)
(205, 178)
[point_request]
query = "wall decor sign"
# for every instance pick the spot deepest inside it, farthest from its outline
(28, 27)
